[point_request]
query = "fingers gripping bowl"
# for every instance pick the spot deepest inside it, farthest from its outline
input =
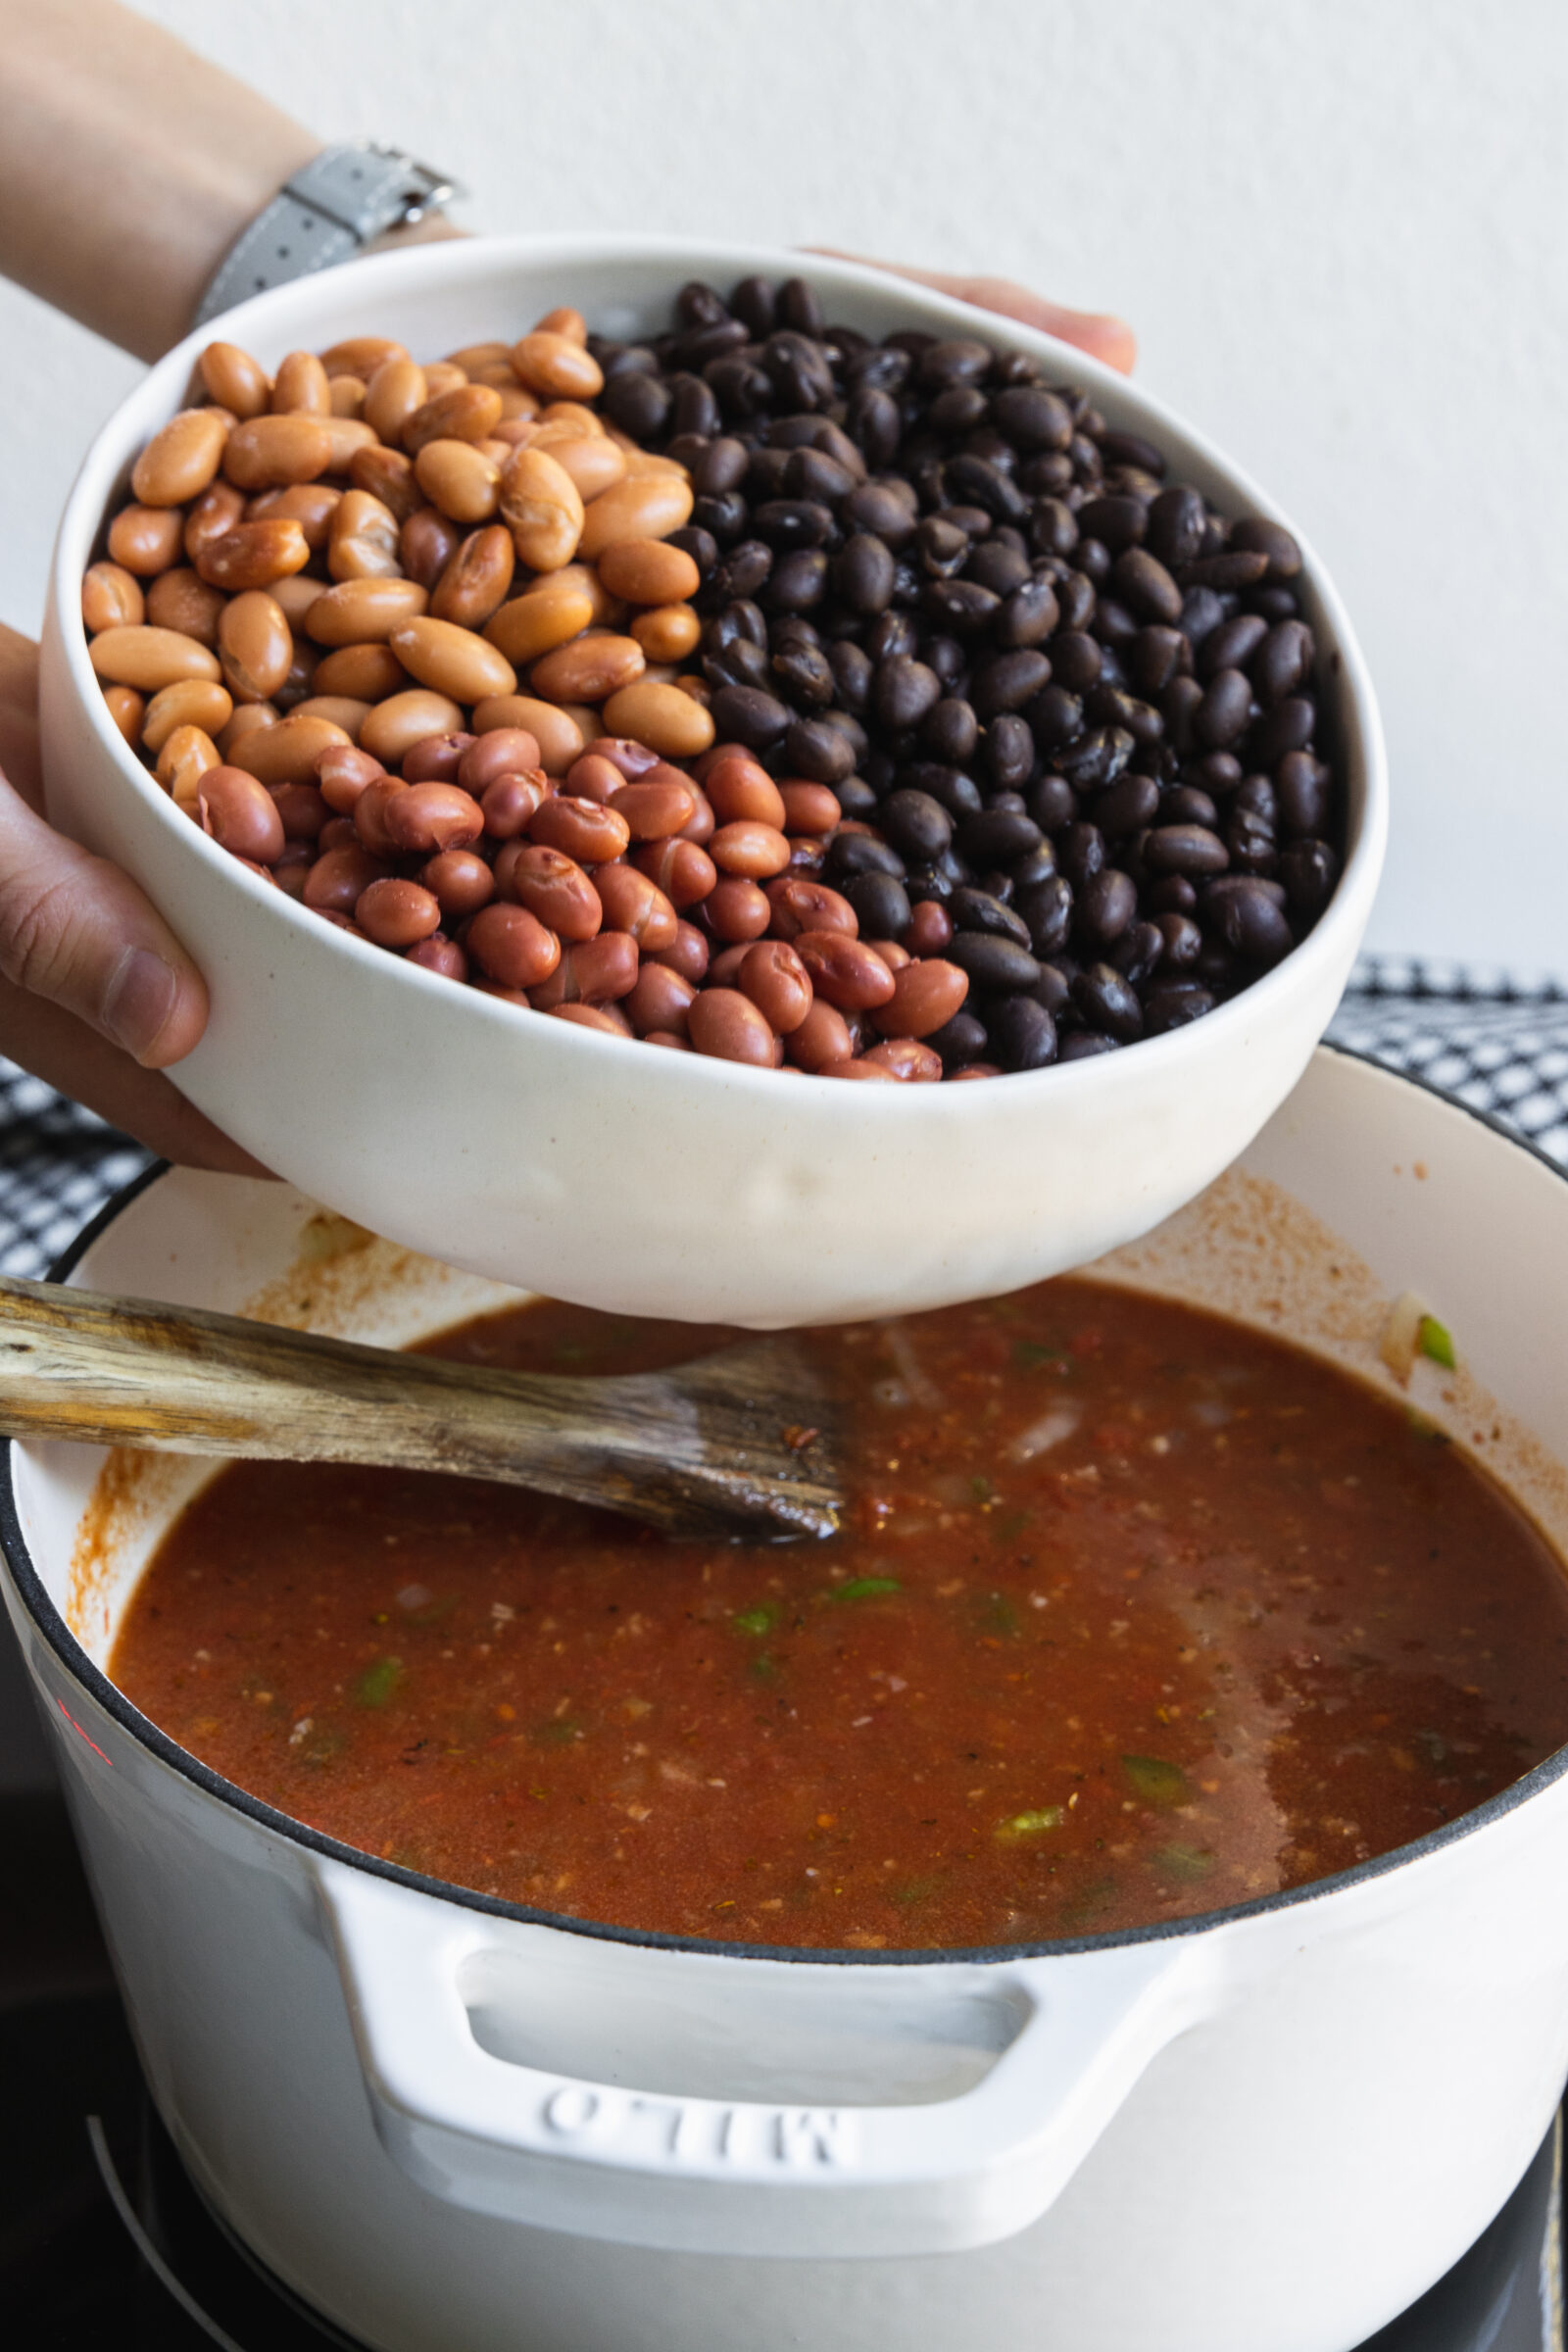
(666, 1183)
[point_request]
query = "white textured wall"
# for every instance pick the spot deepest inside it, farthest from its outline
(1337, 225)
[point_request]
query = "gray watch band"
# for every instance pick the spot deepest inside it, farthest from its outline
(331, 208)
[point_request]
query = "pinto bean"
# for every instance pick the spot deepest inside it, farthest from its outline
(145, 540)
(727, 1025)
(234, 380)
(148, 658)
(256, 646)
(645, 505)
(266, 453)
(587, 669)
(240, 815)
(451, 661)
(182, 459)
(655, 806)
(425, 818)
(396, 725)
(396, 913)
(588, 830)
(253, 555)
(188, 703)
(541, 506)
(636, 905)
(553, 887)
(665, 717)
(927, 993)
(846, 971)
(597, 972)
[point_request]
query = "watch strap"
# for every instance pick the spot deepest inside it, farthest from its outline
(327, 212)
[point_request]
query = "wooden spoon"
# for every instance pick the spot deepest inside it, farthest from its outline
(739, 1443)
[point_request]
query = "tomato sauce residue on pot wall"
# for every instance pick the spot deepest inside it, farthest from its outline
(1139, 1613)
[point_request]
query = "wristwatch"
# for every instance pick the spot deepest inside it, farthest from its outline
(327, 213)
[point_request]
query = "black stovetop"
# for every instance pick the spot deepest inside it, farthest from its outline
(106, 2247)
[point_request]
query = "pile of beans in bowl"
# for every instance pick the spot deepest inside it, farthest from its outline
(875, 710)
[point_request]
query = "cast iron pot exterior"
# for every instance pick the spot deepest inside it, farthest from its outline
(649, 1183)
(443, 2120)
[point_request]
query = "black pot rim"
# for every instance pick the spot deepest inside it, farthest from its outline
(91, 1679)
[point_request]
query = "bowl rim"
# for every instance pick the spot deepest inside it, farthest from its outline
(51, 1626)
(406, 276)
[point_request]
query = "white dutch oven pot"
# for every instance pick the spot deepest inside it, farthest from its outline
(450, 2124)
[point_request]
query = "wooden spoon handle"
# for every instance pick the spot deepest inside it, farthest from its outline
(127, 1371)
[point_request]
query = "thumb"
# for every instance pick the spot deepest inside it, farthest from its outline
(76, 930)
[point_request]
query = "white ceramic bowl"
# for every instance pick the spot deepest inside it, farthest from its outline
(662, 1183)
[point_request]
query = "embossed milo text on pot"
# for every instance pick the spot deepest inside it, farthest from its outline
(700, 2131)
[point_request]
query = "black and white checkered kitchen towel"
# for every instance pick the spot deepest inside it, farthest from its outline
(1498, 1045)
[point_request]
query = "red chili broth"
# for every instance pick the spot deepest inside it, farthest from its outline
(1137, 1614)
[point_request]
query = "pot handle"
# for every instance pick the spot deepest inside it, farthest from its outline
(711, 2175)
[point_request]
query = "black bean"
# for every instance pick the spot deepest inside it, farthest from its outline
(854, 797)
(916, 824)
(1181, 703)
(1203, 610)
(1107, 905)
(1054, 984)
(1114, 624)
(819, 752)
(1098, 758)
(700, 545)
(1142, 582)
(1007, 681)
(849, 853)
(1225, 709)
(1217, 772)
(1125, 807)
(755, 302)
(1270, 539)
(1055, 718)
(903, 691)
(959, 409)
(724, 518)
(871, 417)
(944, 547)
(704, 344)
(1023, 1035)
(974, 910)
(850, 666)
(740, 663)
(881, 904)
(1255, 796)
(1083, 1045)
(976, 482)
(962, 605)
(1031, 418)
(1111, 706)
(1185, 805)
(1173, 893)
(1108, 1003)
(1190, 849)
(798, 370)
(797, 583)
(947, 656)
(1173, 1003)
(720, 467)
(1287, 727)
(1076, 661)
(1081, 853)
(812, 474)
(957, 359)
(786, 523)
(961, 1039)
(1175, 525)
(950, 731)
(1138, 952)
(1053, 527)
(1309, 870)
(1181, 937)
(803, 672)
(744, 391)
(996, 836)
(765, 474)
(949, 787)
(1231, 568)
(1284, 660)
(1052, 803)
(1028, 616)
(1303, 789)
(863, 573)
(892, 636)
(639, 403)
(694, 408)
(995, 566)
(744, 715)
(1155, 657)
(1009, 752)
(1249, 920)
(798, 306)
(1116, 522)
(1231, 644)
(995, 966)
(1035, 865)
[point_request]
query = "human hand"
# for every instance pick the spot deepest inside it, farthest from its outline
(97, 996)
(1103, 337)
